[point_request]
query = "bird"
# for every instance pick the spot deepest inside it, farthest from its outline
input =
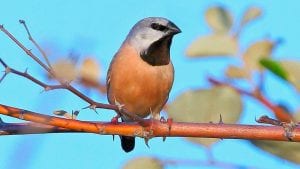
(141, 73)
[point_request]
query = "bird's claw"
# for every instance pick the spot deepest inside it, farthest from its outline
(115, 119)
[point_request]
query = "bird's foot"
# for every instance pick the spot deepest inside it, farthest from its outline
(115, 119)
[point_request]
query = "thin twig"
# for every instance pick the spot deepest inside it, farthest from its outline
(31, 78)
(35, 43)
(28, 52)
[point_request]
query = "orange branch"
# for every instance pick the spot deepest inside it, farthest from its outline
(159, 129)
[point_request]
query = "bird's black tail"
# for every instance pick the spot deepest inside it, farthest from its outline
(127, 143)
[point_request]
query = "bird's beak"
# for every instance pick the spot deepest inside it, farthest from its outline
(173, 28)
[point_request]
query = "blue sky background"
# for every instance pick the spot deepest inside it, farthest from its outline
(98, 28)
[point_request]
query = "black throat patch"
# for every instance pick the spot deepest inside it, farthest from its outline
(158, 53)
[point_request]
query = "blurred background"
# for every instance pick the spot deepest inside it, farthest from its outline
(96, 29)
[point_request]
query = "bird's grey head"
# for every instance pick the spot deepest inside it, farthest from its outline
(152, 38)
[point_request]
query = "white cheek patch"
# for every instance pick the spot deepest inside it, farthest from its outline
(143, 40)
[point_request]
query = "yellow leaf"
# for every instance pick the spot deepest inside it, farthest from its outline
(143, 162)
(257, 51)
(292, 67)
(251, 14)
(219, 19)
(65, 69)
(90, 71)
(213, 45)
(237, 72)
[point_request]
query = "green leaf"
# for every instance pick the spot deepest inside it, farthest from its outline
(143, 162)
(288, 70)
(219, 19)
(275, 67)
(206, 105)
(213, 45)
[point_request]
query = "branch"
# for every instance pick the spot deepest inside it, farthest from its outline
(64, 85)
(158, 129)
(279, 112)
(29, 128)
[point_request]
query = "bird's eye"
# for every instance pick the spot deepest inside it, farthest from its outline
(158, 27)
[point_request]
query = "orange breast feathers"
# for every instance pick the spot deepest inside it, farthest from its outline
(139, 86)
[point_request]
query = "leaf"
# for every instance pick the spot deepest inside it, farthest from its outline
(287, 150)
(90, 71)
(286, 69)
(292, 67)
(213, 45)
(206, 105)
(65, 69)
(66, 114)
(219, 19)
(143, 162)
(257, 51)
(275, 67)
(251, 14)
(237, 72)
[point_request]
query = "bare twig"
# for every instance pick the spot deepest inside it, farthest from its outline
(35, 43)
(28, 76)
(67, 86)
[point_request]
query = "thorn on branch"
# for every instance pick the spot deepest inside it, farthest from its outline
(147, 142)
(268, 120)
(221, 119)
(288, 127)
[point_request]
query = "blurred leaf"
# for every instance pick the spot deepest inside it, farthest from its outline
(287, 150)
(90, 71)
(66, 114)
(206, 105)
(296, 116)
(219, 19)
(292, 67)
(65, 69)
(275, 67)
(213, 45)
(251, 14)
(237, 72)
(257, 51)
(143, 162)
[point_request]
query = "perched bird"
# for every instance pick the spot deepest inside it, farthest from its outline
(141, 73)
